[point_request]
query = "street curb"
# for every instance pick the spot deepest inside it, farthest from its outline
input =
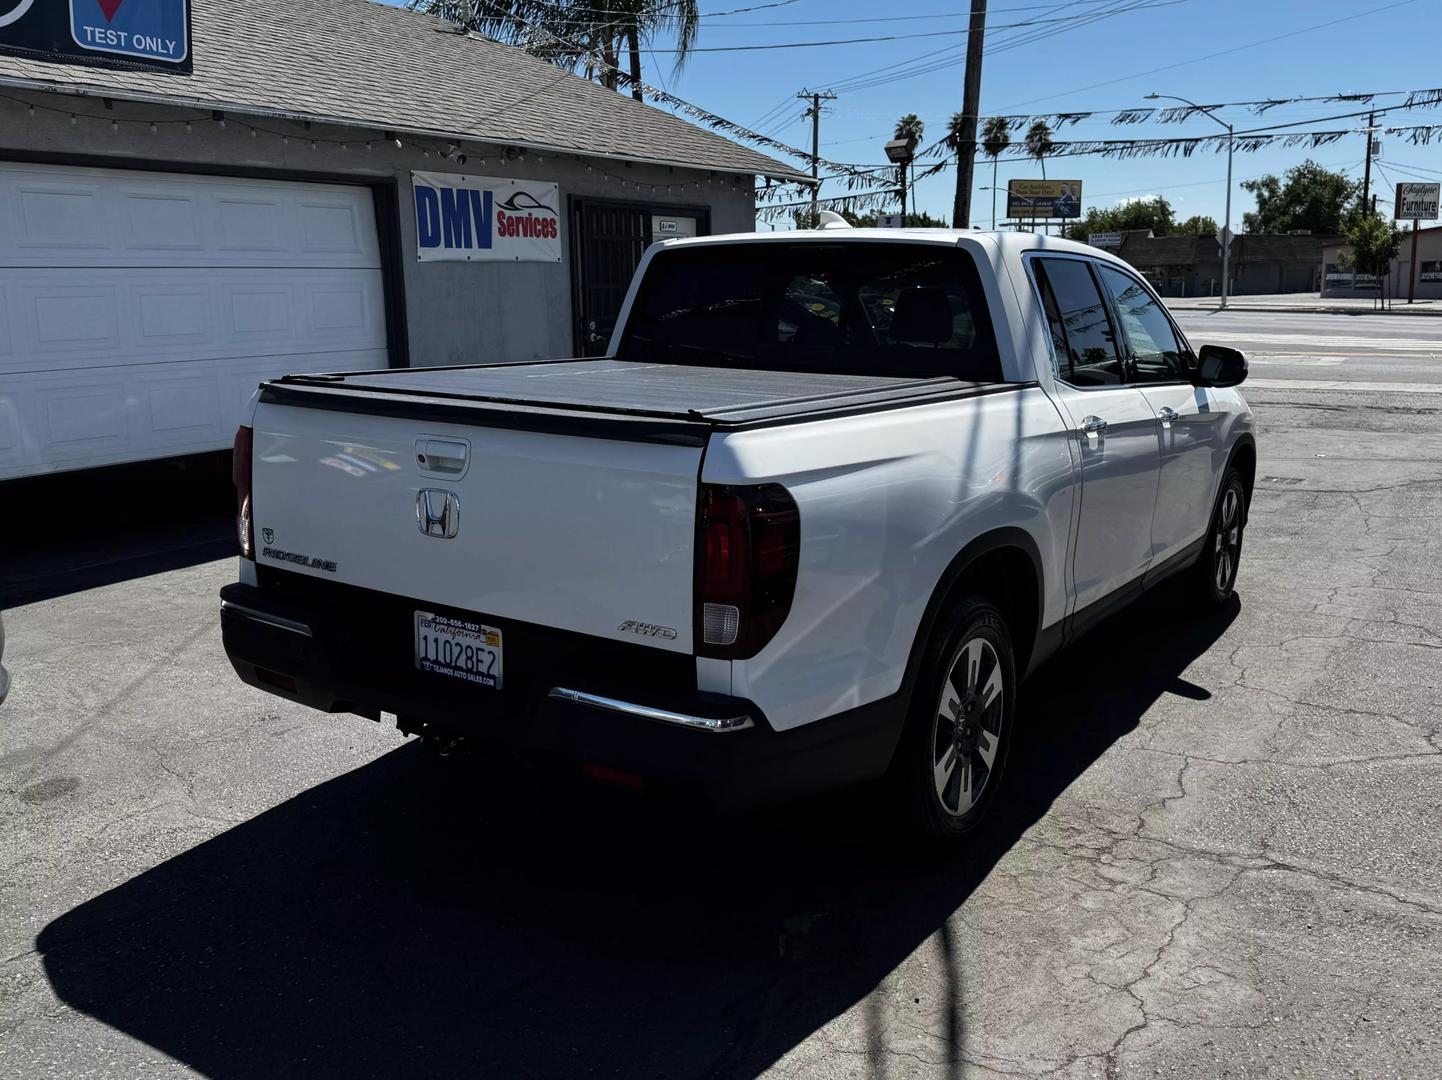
(1432, 313)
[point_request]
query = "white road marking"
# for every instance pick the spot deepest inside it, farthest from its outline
(1328, 341)
(1344, 385)
(1287, 360)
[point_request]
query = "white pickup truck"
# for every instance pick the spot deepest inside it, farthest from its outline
(825, 502)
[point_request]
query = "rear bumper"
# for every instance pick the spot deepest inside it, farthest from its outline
(676, 739)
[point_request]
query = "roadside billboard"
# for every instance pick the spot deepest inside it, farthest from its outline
(1043, 198)
(1105, 239)
(1417, 202)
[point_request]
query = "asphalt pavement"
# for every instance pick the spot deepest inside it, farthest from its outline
(1217, 856)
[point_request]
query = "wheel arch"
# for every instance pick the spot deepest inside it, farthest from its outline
(1243, 458)
(1004, 566)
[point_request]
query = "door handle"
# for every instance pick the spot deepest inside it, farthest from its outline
(1092, 425)
(1167, 414)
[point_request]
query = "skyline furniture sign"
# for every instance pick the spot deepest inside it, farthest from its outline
(152, 35)
(1043, 198)
(1105, 239)
(1417, 202)
(462, 218)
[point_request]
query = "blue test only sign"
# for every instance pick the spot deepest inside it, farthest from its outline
(142, 29)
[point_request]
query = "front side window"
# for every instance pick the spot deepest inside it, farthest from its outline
(1080, 327)
(1156, 353)
(823, 306)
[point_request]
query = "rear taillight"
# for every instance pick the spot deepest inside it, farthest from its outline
(748, 543)
(240, 472)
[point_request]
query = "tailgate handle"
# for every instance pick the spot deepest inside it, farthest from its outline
(442, 457)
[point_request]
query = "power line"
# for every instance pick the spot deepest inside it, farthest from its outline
(1025, 38)
(1222, 52)
(1415, 170)
(1137, 5)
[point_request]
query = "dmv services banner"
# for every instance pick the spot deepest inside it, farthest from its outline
(486, 218)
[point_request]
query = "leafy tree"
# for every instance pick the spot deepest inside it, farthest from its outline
(868, 220)
(1375, 242)
(1039, 143)
(1196, 225)
(589, 35)
(1154, 213)
(1306, 197)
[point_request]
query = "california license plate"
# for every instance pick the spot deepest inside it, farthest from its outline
(458, 648)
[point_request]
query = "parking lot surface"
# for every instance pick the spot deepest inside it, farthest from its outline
(1217, 855)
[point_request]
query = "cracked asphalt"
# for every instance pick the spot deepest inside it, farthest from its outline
(1218, 855)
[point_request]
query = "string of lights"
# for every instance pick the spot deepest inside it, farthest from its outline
(308, 136)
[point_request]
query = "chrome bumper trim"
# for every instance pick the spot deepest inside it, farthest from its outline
(265, 617)
(646, 712)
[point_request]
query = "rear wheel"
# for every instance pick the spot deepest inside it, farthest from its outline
(959, 730)
(1222, 553)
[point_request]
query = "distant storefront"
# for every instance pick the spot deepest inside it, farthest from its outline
(1192, 265)
(1342, 281)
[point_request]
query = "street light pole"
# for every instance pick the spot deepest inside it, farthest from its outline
(1227, 225)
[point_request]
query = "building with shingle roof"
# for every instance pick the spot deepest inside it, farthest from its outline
(322, 184)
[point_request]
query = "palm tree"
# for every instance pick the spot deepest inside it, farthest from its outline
(909, 127)
(995, 138)
(1039, 143)
(585, 34)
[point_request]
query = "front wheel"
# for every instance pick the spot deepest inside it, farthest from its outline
(1222, 553)
(959, 729)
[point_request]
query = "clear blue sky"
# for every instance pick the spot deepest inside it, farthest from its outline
(1107, 64)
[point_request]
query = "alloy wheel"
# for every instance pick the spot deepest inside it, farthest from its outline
(1228, 548)
(966, 731)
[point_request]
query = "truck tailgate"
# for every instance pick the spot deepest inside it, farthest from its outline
(592, 535)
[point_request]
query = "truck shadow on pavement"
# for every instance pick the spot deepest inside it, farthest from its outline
(114, 524)
(392, 922)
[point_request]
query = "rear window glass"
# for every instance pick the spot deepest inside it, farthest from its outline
(883, 309)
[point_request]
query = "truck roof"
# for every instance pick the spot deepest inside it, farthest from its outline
(1008, 242)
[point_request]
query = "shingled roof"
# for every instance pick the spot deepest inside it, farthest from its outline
(365, 64)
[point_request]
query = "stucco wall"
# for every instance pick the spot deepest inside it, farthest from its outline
(456, 312)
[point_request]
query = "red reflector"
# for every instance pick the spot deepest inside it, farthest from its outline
(631, 780)
(718, 551)
(276, 679)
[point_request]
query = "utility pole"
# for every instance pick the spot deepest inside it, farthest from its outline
(814, 113)
(970, 103)
(1367, 169)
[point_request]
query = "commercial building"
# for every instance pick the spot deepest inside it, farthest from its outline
(1341, 278)
(331, 185)
(1192, 265)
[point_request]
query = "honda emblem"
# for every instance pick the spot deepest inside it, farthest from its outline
(438, 513)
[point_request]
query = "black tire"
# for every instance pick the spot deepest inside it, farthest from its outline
(1216, 570)
(970, 646)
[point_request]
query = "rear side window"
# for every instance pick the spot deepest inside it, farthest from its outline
(828, 307)
(1080, 327)
(1156, 354)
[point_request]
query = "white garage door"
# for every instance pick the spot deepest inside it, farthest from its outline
(139, 310)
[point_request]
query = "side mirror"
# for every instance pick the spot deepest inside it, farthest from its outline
(1218, 365)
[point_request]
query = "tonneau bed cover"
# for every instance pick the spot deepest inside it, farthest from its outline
(613, 398)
